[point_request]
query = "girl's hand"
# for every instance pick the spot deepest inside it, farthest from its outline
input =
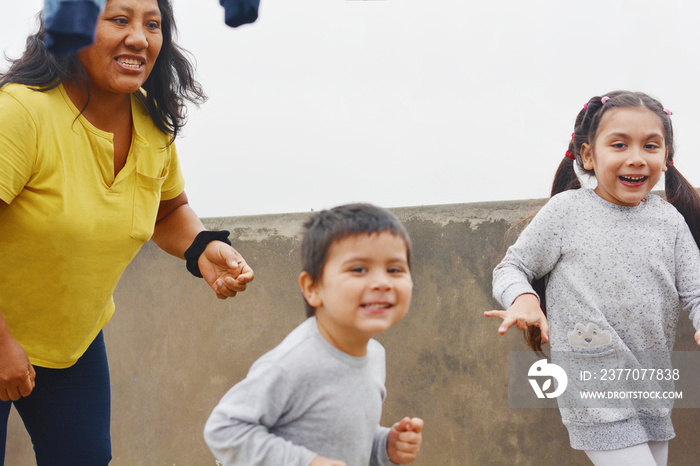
(697, 337)
(524, 311)
(405, 438)
(323, 461)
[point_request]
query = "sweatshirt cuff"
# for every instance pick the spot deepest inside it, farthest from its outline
(514, 291)
(381, 456)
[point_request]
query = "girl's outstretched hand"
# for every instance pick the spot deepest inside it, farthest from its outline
(524, 311)
(405, 438)
(697, 337)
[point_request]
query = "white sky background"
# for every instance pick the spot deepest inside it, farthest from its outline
(410, 102)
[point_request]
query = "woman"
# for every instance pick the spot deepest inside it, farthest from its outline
(88, 173)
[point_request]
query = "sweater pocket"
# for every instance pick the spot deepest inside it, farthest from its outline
(611, 383)
(593, 370)
(593, 382)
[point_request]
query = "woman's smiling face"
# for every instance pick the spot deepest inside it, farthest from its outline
(128, 39)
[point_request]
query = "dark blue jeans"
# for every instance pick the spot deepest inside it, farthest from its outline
(67, 414)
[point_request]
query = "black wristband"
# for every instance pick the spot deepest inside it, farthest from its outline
(199, 245)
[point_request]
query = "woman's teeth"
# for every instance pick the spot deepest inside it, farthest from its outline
(129, 63)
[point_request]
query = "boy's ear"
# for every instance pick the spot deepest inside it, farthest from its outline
(587, 156)
(308, 289)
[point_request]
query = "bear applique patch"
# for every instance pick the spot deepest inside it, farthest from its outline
(589, 336)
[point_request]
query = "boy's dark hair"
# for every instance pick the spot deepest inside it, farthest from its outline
(169, 87)
(679, 192)
(329, 226)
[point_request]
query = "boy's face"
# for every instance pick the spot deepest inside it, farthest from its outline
(364, 289)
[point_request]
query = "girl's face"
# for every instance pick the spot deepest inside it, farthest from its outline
(628, 155)
(128, 39)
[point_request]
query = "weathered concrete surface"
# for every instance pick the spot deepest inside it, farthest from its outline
(175, 349)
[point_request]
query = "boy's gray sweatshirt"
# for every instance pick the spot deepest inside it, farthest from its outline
(303, 399)
(616, 277)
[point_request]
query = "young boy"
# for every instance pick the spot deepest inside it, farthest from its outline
(316, 399)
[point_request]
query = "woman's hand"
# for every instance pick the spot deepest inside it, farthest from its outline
(226, 272)
(524, 311)
(16, 372)
(224, 269)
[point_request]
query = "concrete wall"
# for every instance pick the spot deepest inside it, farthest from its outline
(175, 349)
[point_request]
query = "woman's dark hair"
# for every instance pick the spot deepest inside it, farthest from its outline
(328, 226)
(679, 192)
(169, 86)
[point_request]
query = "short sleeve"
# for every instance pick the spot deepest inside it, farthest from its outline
(18, 146)
(174, 183)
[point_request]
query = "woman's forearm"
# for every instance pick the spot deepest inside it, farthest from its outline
(175, 231)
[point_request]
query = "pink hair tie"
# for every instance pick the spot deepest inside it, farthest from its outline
(573, 138)
(668, 112)
(585, 106)
(669, 163)
(605, 99)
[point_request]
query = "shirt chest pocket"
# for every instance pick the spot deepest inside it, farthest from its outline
(146, 202)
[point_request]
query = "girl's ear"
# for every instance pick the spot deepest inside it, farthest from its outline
(309, 290)
(587, 156)
(665, 167)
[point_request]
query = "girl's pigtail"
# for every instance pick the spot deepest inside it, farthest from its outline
(566, 178)
(685, 198)
(533, 334)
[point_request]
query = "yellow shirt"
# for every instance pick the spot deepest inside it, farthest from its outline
(69, 228)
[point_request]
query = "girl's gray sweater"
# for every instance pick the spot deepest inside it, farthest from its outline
(616, 277)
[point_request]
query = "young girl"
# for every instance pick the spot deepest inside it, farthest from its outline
(615, 258)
